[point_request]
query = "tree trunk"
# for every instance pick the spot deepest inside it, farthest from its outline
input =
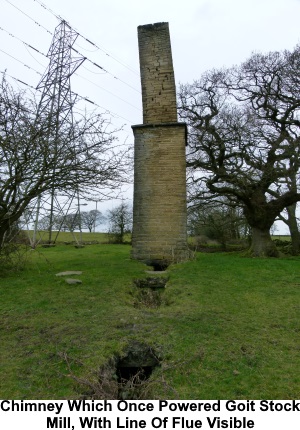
(262, 244)
(293, 226)
(2, 237)
(4, 232)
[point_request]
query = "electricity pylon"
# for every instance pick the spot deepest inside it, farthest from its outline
(55, 109)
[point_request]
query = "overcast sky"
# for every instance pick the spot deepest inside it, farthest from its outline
(205, 34)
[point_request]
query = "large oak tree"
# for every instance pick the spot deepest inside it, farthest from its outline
(244, 138)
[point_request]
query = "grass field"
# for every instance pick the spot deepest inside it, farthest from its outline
(66, 236)
(227, 326)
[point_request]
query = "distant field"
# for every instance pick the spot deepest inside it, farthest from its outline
(66, 236)
(281, 237)
(102, 237)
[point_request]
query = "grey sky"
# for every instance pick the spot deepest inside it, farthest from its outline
(205, 34)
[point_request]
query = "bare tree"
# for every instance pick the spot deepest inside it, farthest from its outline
(91, 219)
(289, 217)
(216, 220)
(68, 222)
(120, 222)
(44, 223)
(244, 139)
(34, 160)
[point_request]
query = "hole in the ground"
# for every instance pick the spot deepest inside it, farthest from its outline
(159, 265)
(153, 282)
(149, 298)
(149, 291)
(140, 373)
(134, 369)
(124, 377)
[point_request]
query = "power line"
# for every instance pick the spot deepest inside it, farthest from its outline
(106, 111)
(104, 89)
(91, 71)
(77, 74)
(21, 62)
(102, 68)
(40, 74)
(18, 80)
(89, 41)
(108, 55)
(92, 62)
(24, 13)
(51, 11)
(33, 57)
(20, 40)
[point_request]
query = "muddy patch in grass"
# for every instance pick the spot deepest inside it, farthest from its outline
(124, 377)
(149, 292)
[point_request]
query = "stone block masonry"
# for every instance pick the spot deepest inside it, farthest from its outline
(157, 74)
(159, 209)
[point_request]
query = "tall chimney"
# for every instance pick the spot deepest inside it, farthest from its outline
(159, 211)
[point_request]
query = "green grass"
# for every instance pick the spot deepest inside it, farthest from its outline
(281, 237)
(67, 236)
(228, 326)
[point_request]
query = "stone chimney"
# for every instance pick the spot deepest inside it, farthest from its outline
(159, 211)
